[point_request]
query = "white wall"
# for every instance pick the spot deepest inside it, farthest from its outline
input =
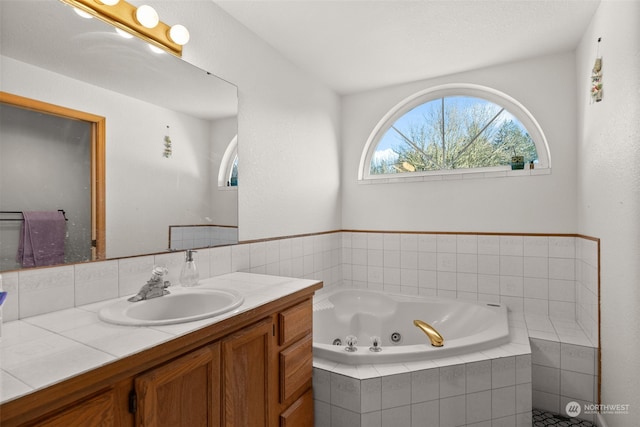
(145, 192)
(608, 196)
(288, 141)
(545, 86)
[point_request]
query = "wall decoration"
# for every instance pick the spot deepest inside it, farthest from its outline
(167, 145)
(596, 76)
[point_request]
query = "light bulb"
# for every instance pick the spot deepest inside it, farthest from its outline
(82, 13)
(123, 33)
(179, 34)
(108, 2)
(147, 16)
(155, 49)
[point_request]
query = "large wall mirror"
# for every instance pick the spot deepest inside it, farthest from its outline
(168, 129)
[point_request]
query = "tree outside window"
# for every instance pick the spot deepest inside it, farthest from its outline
(454, 132)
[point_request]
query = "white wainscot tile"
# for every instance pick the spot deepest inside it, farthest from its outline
(523, 369)
(511, 245)
(427, 260)
(478, 406)
(503, 402)
(467, 263)
(451, 411)
(511, 265)
(523, 397)
(344, 418)
(503, 372)
(562, 247)
(45, 290)
(511, 286)
(489, 245)
(478, 376)
(322, 385)
(397, 417)
(489, 264)
(488, 284)
(467, 244)
(427, 243)
(545, 353)
(452, 380)
(545, 379)
(345, 392)
(425, 414)
(447, 262)
(577, 385)
(536, 288)
(371, 394)
(97, 281)
(396, 390)
(447, 243)
(425, 385)
(536, 246)
(536, 267)
(578, 358)
(562, 268)
(562, 290)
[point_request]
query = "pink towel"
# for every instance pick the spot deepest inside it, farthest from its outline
(42, 239)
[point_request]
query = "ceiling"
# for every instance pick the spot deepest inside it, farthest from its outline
(356, 45)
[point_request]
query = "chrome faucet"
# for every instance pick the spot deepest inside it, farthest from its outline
(155, 287)
(433, 335)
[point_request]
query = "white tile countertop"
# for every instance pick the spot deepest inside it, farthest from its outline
(39, 351)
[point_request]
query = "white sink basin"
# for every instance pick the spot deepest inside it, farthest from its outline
(180, 306)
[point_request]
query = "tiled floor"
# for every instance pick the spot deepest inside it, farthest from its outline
(544, 419)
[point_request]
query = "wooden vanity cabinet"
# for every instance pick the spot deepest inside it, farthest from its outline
(252, 370)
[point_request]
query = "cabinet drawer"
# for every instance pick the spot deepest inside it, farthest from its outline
(295, 322)
(300, 413)
(296, 368)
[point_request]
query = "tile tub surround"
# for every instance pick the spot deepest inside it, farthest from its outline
(498, 386)
(42, 350)
(481, 387)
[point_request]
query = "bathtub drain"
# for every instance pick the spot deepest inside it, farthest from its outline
(337, 341)
(396, 337)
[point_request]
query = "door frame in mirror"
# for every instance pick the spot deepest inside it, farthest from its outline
(98, 162)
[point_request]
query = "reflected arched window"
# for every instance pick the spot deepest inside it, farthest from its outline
(228, 172)
(454, 129)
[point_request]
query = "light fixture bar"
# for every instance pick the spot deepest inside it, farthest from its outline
(123, 16)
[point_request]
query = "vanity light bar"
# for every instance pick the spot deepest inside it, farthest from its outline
(125, 16)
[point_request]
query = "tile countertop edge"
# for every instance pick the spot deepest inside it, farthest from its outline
(55, 331)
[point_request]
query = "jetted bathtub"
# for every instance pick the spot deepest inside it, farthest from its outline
(465, 326)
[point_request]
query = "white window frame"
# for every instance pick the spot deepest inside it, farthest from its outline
(511, 105)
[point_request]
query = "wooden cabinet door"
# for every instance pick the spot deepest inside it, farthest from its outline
(97, 411)
(181, 393)
(245, 371)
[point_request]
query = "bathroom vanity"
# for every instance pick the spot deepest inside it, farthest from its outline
(252, 368)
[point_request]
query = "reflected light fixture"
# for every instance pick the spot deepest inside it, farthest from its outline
(142, 22)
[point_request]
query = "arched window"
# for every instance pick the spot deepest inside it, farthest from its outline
(454, 129)
(228, 172)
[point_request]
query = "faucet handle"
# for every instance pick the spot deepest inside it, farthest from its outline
(351, 341)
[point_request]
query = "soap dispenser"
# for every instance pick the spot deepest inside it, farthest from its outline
(189, 275)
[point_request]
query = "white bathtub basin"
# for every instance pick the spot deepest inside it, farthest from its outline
(180, 306)
(466, 326)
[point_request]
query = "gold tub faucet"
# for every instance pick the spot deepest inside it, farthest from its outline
(434, 336)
